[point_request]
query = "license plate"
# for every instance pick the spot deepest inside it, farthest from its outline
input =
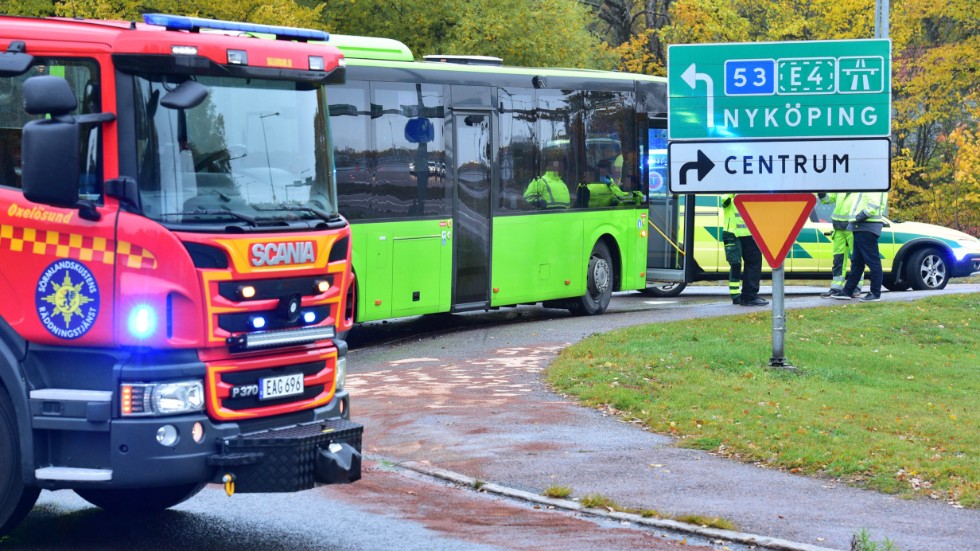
(279, 387)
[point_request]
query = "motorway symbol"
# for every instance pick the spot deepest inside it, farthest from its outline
(861, 74)
(691, 76)
(703, 165)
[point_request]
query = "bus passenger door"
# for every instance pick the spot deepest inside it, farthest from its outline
(471, 214)
(665, 256)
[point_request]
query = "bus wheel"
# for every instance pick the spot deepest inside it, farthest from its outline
(140, 500)
(665, 289)
(599, 285)
(16, 499)
(927, 270)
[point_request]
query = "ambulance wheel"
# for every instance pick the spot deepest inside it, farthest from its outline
(927, 270)
(140, 500)
(599, 283)
(16, 499)
(665, 289)
(889, 283)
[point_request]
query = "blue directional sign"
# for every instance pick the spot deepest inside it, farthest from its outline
(750, 77)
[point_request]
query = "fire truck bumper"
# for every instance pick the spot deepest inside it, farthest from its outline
(291, 459)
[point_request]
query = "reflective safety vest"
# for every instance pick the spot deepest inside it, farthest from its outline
(733, 219)
(871, 204)
(607, 194)
(548, 191)
(843, 203)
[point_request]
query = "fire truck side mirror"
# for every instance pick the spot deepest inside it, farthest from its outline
(14, 61)
(187, 95)
(50, 147)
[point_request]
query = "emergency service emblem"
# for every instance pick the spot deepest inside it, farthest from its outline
(67, 299)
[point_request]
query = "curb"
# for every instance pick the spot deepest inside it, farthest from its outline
(574, 506)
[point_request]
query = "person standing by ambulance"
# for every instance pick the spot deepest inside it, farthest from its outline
(741, 246)
(842, 239)
(866, 223)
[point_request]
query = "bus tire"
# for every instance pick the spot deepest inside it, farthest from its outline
(16, 499)
(599, 283)
(927, 270)
(140, 500)
(665, 289)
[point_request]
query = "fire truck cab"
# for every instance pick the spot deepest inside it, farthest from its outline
(174, 270)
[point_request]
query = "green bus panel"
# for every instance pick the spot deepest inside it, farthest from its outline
(402, 268)
(535, 255)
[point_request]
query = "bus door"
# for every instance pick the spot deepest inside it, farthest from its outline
(472, 146)
(665, 256)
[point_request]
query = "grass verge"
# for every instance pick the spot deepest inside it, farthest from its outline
(885, 397)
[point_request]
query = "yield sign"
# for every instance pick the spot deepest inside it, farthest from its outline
(775, 220)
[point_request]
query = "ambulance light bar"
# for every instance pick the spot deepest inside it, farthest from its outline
(195, 24)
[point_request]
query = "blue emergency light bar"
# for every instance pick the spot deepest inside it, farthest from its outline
(195, 24)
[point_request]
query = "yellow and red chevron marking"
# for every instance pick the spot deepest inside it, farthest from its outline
(71, 245)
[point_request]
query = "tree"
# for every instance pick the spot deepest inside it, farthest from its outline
(936, 90)
(535, 33)
(280, 12)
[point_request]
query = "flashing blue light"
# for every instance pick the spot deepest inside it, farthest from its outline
(194, 24)
(258, 322)
(309, 317)
(142, 321)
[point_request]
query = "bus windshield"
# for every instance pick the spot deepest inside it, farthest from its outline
(253, 151)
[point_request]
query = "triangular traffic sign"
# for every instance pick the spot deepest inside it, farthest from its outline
(775, 220)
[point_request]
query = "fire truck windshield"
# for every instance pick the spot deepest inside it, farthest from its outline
(254, 151)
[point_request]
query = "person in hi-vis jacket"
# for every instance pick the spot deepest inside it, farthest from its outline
(865, 220)
(741, 247)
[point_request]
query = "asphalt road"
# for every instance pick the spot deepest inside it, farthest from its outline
(463, 393)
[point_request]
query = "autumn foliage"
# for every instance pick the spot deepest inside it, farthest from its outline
(936, 85)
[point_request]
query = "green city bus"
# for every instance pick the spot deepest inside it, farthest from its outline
(433, 161)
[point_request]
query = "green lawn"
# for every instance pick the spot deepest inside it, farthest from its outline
(887, 395)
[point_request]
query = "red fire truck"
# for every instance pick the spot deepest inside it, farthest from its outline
(173, 267)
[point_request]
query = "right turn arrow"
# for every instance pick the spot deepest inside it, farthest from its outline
(703, 166)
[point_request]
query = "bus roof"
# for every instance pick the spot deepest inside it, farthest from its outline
(369, 47)
(367, 51)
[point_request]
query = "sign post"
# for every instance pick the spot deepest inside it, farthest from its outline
(774, 221)
(776, 120)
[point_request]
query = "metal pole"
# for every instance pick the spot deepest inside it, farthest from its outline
(881, 18)
(778, 359)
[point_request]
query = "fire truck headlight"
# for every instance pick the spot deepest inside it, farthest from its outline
(142, 321)
(340, 374)
(178, 397)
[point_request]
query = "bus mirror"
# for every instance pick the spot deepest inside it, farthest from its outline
(419, 130)
(187, 95)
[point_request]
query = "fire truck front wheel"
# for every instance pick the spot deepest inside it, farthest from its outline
(140, 500)
(16, 499)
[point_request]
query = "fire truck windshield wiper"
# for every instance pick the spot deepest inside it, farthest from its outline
(212, 212)
(322, 215)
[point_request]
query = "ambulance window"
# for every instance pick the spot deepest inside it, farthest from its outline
(83, 77)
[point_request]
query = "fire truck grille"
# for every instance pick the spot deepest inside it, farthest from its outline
(245, 385)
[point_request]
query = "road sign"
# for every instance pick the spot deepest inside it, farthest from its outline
(835, 88)
(859, 164)
(775, 220)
